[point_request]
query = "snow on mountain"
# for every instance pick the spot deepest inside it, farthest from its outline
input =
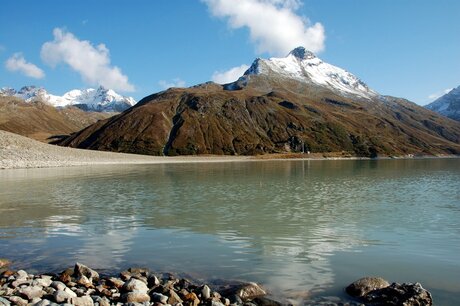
(303, 66)
(100, 99)
(447, 105)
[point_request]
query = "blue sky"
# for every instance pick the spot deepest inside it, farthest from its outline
(404, 48)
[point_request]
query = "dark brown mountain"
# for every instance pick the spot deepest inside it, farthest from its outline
(41, 121)
(292, 104)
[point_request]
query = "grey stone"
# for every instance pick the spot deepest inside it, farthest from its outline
(104, 302)
(118, 283)
(135, 285)
(174, 298)
(153, 281)
(136, 297)
(31, 292)
(44, 302)
(85, 281)
(19, 282)
(44, 282)
(18, 301)
(158, 297)
(81, 269)
(82, 301)
(4, 302)
(206, 292)
(216, 303)
(61, 296)
(58, 285)
(70, 292)
(49, 290)
(364, 285)
(245, 292)
(235, 299)
(21, 274)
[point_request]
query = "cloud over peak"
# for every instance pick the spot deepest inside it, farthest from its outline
(274, 25)
(228, 76)
(91, 62)
(18, 63)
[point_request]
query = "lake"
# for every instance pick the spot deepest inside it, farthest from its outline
(297, 227)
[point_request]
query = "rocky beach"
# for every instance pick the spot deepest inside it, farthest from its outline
(21, 152)
(83, 286)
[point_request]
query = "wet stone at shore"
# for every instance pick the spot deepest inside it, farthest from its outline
(83, 286)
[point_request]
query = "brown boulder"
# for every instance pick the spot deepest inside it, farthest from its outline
(364, 285)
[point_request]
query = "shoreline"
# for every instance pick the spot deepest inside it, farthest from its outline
(19, 152)
(82, 286)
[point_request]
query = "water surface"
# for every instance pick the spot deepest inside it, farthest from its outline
(298, 227)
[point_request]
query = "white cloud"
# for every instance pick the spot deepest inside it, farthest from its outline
(439, 94)
(231, 75)
(91, 62)
(17, 62)
(274, 25)
(174, 83)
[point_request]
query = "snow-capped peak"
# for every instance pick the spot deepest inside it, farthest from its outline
(302, 53)
(304, 66)
(447, 105)
(100, 99)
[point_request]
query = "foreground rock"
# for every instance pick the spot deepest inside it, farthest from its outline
(83, 286)
(376, 291)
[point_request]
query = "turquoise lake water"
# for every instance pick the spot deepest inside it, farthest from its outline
(300, 228)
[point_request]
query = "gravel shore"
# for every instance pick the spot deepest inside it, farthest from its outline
(21, 152)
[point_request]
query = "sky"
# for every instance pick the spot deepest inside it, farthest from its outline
(403, 48)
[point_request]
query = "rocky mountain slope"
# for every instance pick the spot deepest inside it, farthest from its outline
(447, 105)
(292, 104)
(41, 121)
(96, 100)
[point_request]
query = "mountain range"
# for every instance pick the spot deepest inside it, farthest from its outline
(447, 105)
(280, 105)
(43, 122)
(90, 99)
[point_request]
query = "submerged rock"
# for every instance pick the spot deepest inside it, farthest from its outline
(4, 263)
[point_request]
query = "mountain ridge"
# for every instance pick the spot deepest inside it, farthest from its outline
(447, 105)
(42, 121)
(90, 99)
(282, 109)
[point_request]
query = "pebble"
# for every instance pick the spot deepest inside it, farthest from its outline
(84, 287)
(136, 297)
(206, 292)
(158, 297)
(134, 284)
(18, 301)
(58, 285)
(4, 302)
(61, 296)
(31, 292)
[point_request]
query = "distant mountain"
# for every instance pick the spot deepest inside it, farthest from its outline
(44, 122)
(98, 100)
(447, 105)
(280, 105)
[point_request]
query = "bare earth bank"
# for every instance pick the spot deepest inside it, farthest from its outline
(21, 152)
